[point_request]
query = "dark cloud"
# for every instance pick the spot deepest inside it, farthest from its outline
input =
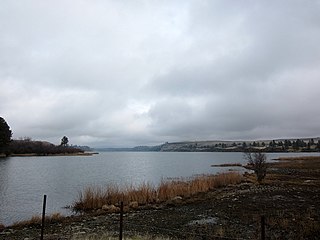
(109, 73)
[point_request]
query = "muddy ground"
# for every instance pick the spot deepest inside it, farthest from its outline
(289, 200)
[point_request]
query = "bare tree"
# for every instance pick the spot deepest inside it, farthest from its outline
(258, 163)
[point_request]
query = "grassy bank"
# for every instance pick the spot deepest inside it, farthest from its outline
(36, 220)
(93, 198)
(305, 162)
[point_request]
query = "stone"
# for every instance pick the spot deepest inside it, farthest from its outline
(176, 199)
(134, 205)
(110, 208)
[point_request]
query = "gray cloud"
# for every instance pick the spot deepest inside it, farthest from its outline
(110, 73)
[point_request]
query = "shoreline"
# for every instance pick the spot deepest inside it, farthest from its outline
(52, 155)
(288, 198)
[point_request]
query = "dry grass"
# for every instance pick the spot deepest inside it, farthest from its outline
(306, 162)
(36, 220)
(307, 158)
(95, 197)
(304, 224)
(227, 165)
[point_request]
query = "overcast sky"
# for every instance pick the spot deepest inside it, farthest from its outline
(110, 73)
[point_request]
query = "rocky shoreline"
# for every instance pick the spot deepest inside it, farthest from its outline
(288, 199)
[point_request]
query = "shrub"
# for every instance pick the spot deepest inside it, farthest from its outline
(258, 163)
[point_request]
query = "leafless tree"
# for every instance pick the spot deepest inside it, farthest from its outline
(258, 163)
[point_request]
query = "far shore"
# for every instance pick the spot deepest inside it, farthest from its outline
(52, 155)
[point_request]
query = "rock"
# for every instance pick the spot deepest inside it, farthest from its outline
(5, 233)
(125, 209)
(134, 205)
(100, 211)
(176, 199)
(110, 208)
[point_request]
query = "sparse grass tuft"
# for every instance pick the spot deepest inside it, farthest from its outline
(36, 220)
(95, 197)
(304, 225)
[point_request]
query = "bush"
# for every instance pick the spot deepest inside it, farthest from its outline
(258, 163)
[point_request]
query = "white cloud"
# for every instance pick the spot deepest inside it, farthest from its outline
(124, 73)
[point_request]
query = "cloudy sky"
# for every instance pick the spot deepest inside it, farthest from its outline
(141, 72)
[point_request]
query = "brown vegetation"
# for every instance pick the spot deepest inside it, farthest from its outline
(227, 165)
(42, 148)
(36, 220)
(306, 162)
(95, 197)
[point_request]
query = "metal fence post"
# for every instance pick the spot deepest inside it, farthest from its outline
(263, 228)
(121, 221)
(43, 215)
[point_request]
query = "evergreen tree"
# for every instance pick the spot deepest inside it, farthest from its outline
(271, 144)
(286, 144)
(5, 135)
(64, 141)
(312, 142)
(295, 145)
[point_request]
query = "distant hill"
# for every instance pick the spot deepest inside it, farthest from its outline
(276, 145)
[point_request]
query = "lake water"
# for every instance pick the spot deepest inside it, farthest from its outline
(24, 180)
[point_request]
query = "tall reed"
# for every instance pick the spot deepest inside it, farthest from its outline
(95, 197)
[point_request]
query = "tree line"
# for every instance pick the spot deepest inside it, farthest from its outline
(288, 145)
(26, 145)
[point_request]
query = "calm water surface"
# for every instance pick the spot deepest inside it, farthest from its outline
(24, 180)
